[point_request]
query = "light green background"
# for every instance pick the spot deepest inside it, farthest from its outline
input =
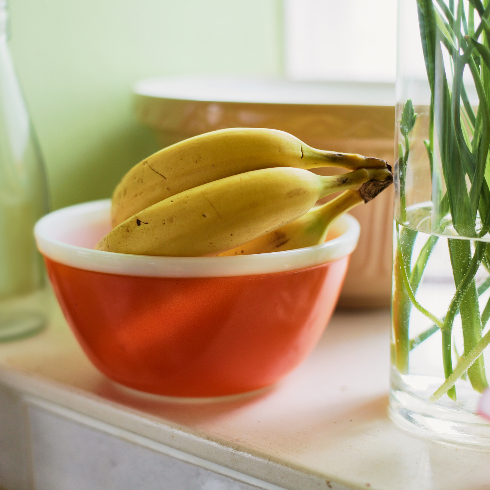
(77, 62)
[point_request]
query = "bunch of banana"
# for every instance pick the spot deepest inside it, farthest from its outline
(308, 230)
(228, 212)
(215, 155)
(218, 191)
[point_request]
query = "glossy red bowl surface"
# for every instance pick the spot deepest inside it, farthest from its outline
(191, 326)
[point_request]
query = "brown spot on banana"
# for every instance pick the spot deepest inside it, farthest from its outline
(296, 192)
(280, 244)
(153, 170)
(342, 180)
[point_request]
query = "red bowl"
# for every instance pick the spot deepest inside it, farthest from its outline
(191, 326)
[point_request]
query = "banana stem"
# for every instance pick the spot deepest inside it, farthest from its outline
(349, 161)
(355, 180)
(328, 212)
(319, 219)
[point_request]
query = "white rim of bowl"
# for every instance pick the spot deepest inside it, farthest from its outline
(150, 266)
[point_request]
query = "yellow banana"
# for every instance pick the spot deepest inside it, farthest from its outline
(215, 155)
(228, 212)
(308, 230)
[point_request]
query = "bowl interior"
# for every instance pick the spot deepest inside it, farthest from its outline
(68, 236)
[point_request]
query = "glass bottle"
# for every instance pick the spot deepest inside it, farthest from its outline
(441, 268)
(23, 200)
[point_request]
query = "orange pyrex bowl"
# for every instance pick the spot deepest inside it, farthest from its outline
(191, 326)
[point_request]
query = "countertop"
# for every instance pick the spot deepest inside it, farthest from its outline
(324, 426)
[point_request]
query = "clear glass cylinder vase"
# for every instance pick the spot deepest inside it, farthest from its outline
(23, 200)
(441, 279)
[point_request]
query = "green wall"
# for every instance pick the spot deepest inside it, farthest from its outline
(78, 60)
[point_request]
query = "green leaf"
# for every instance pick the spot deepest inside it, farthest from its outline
(427, 26)
(446, 11)
(407, 121)
(445, 30)
(466, 135)
(485, 25)
(484, 22)
(471, 20)
(487, 180)
(482, 50)
(464, 21)
(470, 113)
(477, 5)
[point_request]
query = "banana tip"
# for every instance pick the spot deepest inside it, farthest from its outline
(370, 189)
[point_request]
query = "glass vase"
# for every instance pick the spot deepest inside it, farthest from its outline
(441, 263)
(24, 297)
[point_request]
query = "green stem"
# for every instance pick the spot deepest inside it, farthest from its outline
(447, 359)
(423, 336)
(464, 269)
(404, 293)
(415, 303)
(421, 263)
(485, 314)
(464, 365)
(405, 239)
(435, 328)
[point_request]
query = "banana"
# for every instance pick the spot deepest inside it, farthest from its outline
(310, 229)
(215, 155)
(228, 212)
